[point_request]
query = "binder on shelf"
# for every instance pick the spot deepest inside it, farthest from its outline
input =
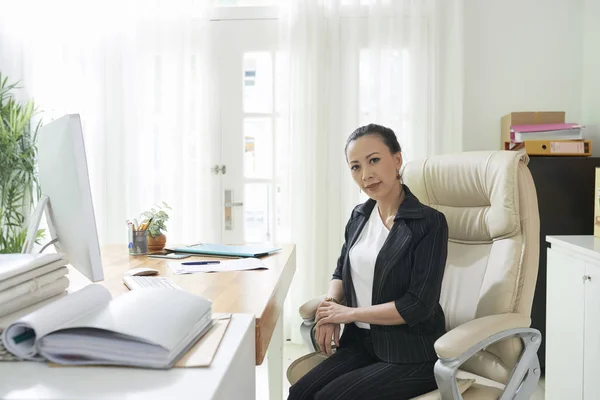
(528, 118)
(555, 147)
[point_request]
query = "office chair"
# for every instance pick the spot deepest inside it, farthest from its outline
(490, 203)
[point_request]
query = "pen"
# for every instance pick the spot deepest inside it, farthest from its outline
(130, 235)
(148, 223)
(200, 262)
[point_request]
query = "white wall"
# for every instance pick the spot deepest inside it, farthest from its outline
(590, 105)
(523, 55)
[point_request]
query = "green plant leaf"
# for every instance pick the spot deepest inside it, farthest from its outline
(159, 217)
(19, 188)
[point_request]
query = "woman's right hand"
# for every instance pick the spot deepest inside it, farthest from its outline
(325, 334)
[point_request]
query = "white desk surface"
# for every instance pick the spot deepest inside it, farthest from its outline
(587, 245)
(230, 376)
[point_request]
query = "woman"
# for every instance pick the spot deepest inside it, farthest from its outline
(386, 286)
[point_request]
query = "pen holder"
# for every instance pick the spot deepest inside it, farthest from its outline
(138, 244)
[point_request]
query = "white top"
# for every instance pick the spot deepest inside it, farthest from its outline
(587, 245)
(362, 260)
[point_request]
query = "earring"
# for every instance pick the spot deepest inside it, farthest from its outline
(398, 176)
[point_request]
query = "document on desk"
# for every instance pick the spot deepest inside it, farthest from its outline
(243, 264)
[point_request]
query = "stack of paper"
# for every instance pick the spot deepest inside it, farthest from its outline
(27, 279)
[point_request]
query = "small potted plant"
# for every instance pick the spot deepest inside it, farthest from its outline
(154, 221)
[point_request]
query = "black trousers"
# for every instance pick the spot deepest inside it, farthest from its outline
(355, 372)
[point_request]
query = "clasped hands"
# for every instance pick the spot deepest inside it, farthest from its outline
(329, 316)
(330, 312)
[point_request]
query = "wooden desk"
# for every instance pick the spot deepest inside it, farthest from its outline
(259, 292)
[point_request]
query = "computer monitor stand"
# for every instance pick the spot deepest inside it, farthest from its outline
(34, 225)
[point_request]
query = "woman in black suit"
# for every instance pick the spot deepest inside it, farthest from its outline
(386, 286)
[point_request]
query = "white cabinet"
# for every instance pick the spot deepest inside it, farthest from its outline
(591, 334)
(573, 318)
(564, 326)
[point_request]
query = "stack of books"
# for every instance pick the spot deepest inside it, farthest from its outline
(27, 279)
(543, 133)
(549, 139)
(522, 133)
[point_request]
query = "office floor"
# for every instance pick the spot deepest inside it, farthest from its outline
(292, 352)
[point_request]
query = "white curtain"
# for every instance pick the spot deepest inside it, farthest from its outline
(395, 63)
(139, 73)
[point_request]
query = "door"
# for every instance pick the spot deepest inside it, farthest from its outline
(564, 324)
(247, 51)
(591, 366)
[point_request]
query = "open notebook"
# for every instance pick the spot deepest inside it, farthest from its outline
(151, 328)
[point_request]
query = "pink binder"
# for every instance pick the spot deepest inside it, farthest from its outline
(544, 127)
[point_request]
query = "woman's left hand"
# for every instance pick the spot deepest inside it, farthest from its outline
(330, 312)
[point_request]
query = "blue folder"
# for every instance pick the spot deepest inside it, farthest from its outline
(227, 250)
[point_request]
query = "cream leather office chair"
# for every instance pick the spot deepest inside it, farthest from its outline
(490, 203)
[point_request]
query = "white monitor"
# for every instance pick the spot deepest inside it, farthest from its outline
(66, 196)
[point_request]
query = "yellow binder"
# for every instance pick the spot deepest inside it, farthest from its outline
(556, 147)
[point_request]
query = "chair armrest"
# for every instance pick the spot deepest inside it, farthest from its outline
(309, 309)
(464, 341)
(466, 336)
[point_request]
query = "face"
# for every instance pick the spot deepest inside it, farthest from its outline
(373, 167)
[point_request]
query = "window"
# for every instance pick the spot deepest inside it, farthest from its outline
(384, 78)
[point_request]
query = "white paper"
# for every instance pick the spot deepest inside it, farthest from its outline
(15, 264)
(30, 299)
(136, 314)
(242, 264)
(31, 285)
(146, 327)
(34, 273)
(23, 308)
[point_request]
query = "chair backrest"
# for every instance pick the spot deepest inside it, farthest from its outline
(490, 203)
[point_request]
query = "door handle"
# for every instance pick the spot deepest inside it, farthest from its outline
(228, 204)
(216, 169)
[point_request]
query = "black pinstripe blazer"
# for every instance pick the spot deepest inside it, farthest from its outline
(408, 271)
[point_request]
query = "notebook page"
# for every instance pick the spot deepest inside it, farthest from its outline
(20, 338)
(160, 316)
